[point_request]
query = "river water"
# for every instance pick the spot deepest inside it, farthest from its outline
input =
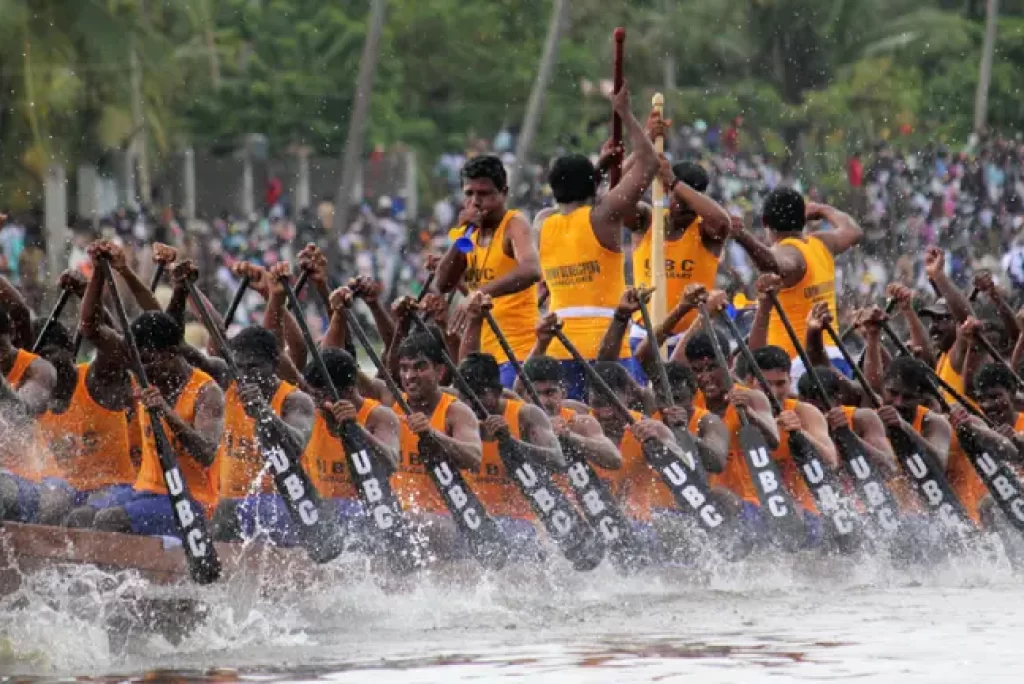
(770, 619)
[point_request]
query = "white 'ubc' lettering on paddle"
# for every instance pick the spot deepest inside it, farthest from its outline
(675, 474)
(591, 500)
(915, 464)
(873, 493)
(382, 515)
(175, 485)
(987, 465)
(814, 472)
(527, 477)
(445, 478)
(861, 469)
(1018, 509)
(777, 507)
(841, 520)
(886, 519)
(759, 457)
(183, 512)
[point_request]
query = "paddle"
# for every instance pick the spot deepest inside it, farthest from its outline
(765, 475)
(575, 538)
(55, 313)
(592, 493)
(203, 564)
(870, 486)
(236, 301)
(320, 536)
(370, 477)
(678, 471)
(157, 275)
(484, 537)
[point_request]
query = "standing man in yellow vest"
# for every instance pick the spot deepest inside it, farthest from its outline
(502, 264)
(805, 262)
(581, 246)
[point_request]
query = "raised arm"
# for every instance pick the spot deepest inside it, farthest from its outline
(814, 341)
(611, 342)
(816, 429)
(140, 291)
(368, 290)
(692, 295)
(935, 267)
(19, 312)
(715, 221)
(919, 337)
(845, 231)
(201, 437)
(985, 283)
(469, 336)
(766, 283)
(783, 260)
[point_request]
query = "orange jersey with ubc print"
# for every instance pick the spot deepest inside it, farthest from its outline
(325, 459)
(411, 483)
(24, 452)
(493, 484)
(240, 459)
(199, 479)
(795, 483)
(631, 484)
(960, 472)
(736, 476)
(89, 442)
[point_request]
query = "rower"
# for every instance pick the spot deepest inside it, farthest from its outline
(796, 415)
(581, 246)
(194, 423)
(325, 459)
(449, 421)
(951, 310)
(805, 262)
(502, 264)
(530, 427)
(248, 499)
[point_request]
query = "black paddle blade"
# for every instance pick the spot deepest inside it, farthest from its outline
(842, 524)
(577, 540)
(870, 486)
(200, 554)
(404, 551)
(999, 479)
(321, 536)
(929, 481)
(603, 512)
(684, 479)
(484, 537)
(777, 508)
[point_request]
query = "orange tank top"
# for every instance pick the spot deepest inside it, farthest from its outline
(960, 472)
(1018, 427)
(795, 482)
(631, 484)
(661, 495)
(89, 442)
(585, 281)
(687, 261)
(493, 486)
(411, 483)
(200, 479)
(736, 476)
(24, 452)
(240, 460)
(325, 459)
(516, 313)
(817, 285)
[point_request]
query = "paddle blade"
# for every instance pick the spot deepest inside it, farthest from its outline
(842, 523)
(999, 478)
(874, 493)
(784, 523)
(682, 476)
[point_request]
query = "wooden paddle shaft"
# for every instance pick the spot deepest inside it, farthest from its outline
(615, 173)
(659, 305)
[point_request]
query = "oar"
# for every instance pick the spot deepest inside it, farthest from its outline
(55, 313)
(659, 364)
(157, 275)
(678, 471)
(998, 358)
(575, 538)
(776, 503)
(484, 537)
(200, 554)
(426, 286)
(321, 537)
(871, 487)
(236, 301)
(923, 471)
(615, 173)
(592, 493)
(369, 475)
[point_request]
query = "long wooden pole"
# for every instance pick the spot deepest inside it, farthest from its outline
(657, 265)
(985, 69)
(615, 173)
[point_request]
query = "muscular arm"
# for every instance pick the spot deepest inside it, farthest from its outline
(33, 396)
(461, 439)
(19, 312)
(526, 272)
(919, 335)
(759, 327)
(959, 304)
(587, 435)
(382, 434)
(214, 366)
(611, 342)
(874, 366)
(760, 415)
(200, 439)
(712, 443)
(450, 269)
(297, 416)
(938, 435)
(662, 332)
(869, 428)
(715, 221)
(540, 442)
(845, 233)
(816, 429)
(783, 260)
(145, 298)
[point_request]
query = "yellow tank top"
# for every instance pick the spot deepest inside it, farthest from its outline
(24, 452)
(516, 313)
(687, 261)
(817, 285)
(325, 460)
(89, 443)
(585, 281)
(944, 369)
(411, 483)
(633, 483)
(201, 481)
(240, 458)
(492, 483)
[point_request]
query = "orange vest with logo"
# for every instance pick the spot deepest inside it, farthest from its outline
(240, 460)
(493, 485)
(89, 442)
(199, 479)
(795, 482)
(736, 476)
(817, 285)
(411, 483)
(24, 452)
(633, 482)
(960, 472)
(325, 459)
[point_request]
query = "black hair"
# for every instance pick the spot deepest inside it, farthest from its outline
(994, 376)
(341, 368)
(57, 336)
(613, 373)
(830, 381)
(481, 371)
(910, 372)
(156, 331)
(257, 340)
(770, 358)
(422, 344)
(699, 346)
(692, 174)
(573, 178)
(486, 166)
(784, 211)
(544, 369)
(681, 378)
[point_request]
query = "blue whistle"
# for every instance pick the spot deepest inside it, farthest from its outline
(464, 244)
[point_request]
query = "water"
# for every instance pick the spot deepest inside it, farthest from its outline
(796, 618)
